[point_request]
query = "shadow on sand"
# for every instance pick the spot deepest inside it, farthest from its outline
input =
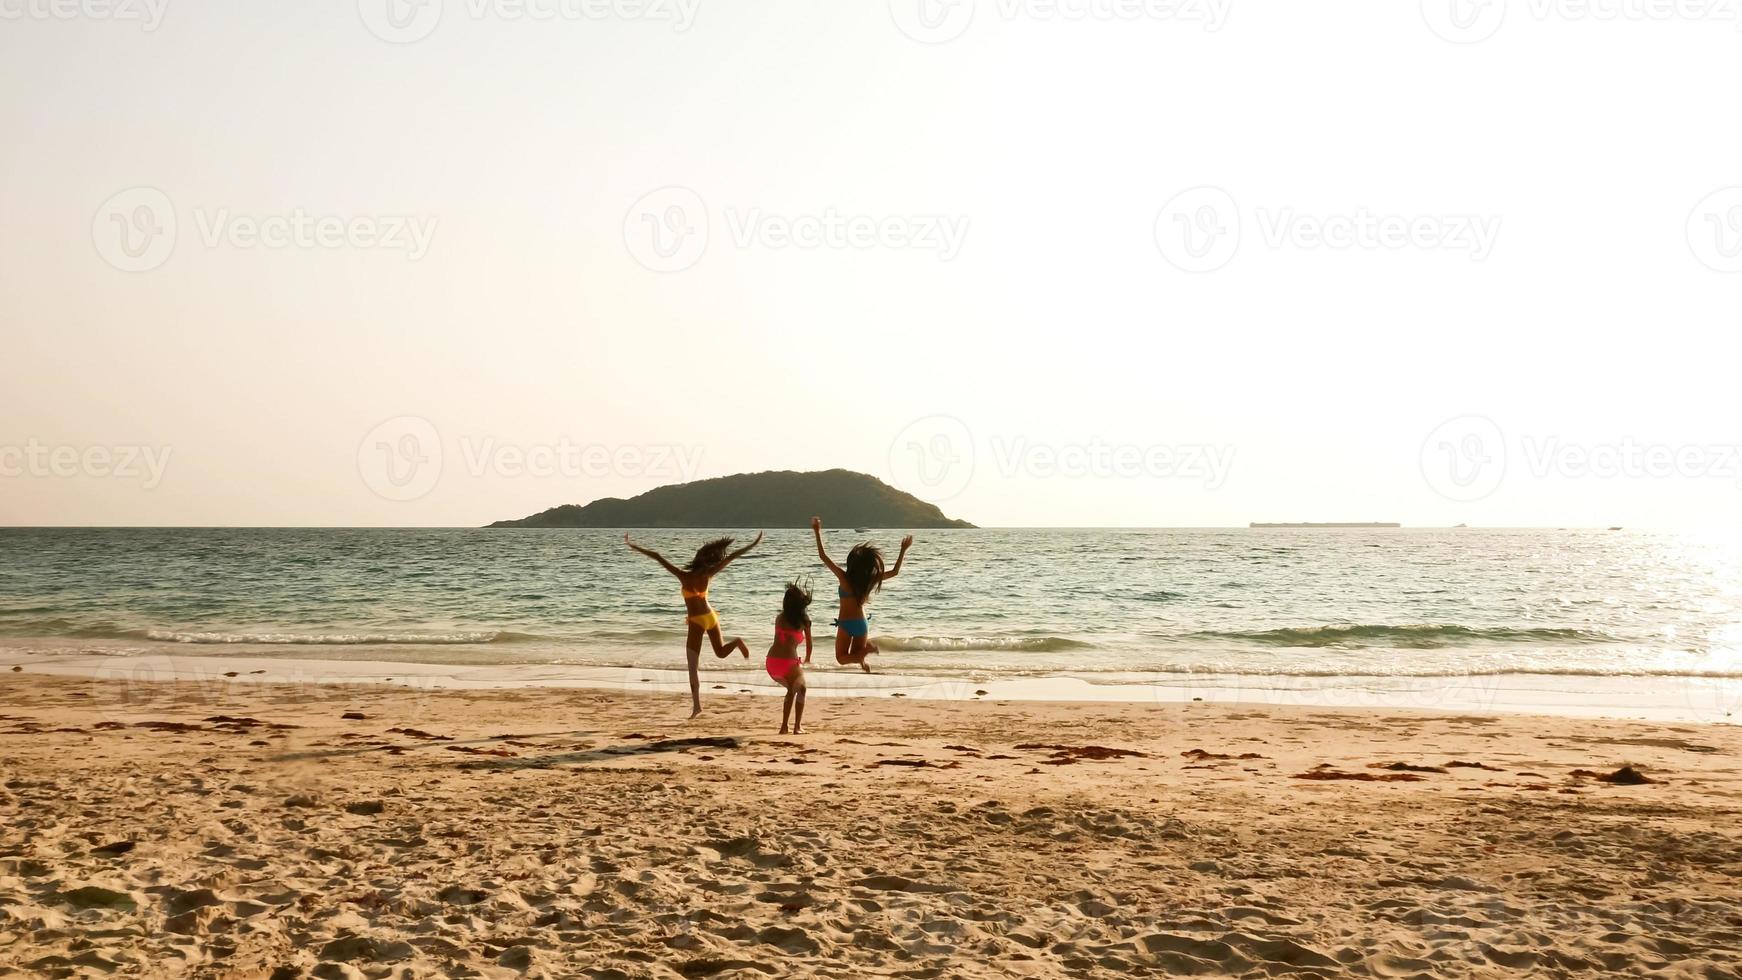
(608, 754)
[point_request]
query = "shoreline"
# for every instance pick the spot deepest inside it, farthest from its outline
(258, 830)
(1662, 698)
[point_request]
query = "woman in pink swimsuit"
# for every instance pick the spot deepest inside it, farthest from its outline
(791, 628)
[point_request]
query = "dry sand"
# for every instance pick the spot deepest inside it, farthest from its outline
(252, 830)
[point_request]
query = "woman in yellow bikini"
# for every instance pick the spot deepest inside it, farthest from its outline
(693, 579)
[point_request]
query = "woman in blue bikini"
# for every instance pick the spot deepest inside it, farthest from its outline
(863, 575)
(693, 581)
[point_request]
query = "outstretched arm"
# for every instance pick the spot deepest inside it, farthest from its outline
(741, 552)
(900, 557)
(656, 556)
(817, 529)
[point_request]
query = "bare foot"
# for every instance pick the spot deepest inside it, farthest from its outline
(783, 731)
(696, 711)
(865, 665)
(798, 731)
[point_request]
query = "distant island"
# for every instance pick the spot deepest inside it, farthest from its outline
(1352, 525)
(784, 498)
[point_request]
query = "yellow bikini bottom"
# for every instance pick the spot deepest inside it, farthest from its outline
(709, 620)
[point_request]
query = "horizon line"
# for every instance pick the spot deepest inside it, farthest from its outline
(1291, 526)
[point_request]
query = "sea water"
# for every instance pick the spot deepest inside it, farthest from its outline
(1101, 605)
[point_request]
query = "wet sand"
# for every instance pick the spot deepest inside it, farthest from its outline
(1657, 698)
(264, 830)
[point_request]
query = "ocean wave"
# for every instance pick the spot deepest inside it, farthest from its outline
(1423, 636)
(69, 628)
(954, 644)
(638, 636)
(328, 639)
(1114, 675)
(27, 611)
(102, 630)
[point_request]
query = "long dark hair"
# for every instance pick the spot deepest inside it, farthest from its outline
(864, 570)
(793, 606)
(709, 557)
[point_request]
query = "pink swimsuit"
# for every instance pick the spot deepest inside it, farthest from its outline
(780, 667)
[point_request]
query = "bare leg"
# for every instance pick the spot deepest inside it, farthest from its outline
(795, 688)
(844, 652)
(722, 649)
(862, 648)
(694, 656)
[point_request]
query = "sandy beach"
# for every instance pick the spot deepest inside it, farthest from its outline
(264, 830)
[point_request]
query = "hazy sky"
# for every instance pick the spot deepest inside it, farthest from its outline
(1122, 262)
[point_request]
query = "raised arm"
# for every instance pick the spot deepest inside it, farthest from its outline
(741, 552)
(656, 556)
(817, 529)
(900, 557)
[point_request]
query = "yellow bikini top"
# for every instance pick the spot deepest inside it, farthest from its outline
(687, 594)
